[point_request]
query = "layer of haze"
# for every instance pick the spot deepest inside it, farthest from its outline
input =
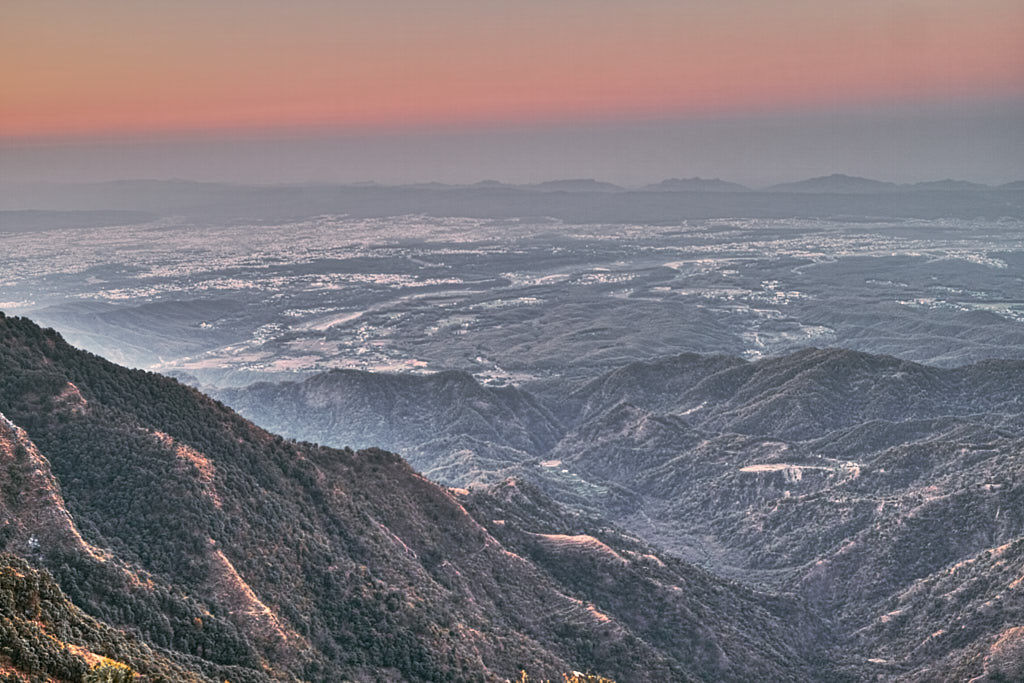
(453, 90)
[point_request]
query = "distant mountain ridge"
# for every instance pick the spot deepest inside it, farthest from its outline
(837, 183)
(574, 185)
(695, 185)
(949, 185)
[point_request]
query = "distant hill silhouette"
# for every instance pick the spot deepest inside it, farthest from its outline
(695, 185)
(837, 183)
(949, 185)
(574, 185)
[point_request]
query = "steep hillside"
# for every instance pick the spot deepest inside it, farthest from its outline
(855, 481)
(668, 603)
(44, 636)
(248, 557)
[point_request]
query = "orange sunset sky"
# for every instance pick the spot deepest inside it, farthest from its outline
(106, 69)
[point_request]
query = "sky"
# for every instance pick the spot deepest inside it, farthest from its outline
(518, 90)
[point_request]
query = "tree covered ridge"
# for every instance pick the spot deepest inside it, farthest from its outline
(45, 637)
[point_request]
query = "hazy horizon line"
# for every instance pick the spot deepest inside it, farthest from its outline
(490, 181)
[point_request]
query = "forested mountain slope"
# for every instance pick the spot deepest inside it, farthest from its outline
(45, 637)
(239, 555)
